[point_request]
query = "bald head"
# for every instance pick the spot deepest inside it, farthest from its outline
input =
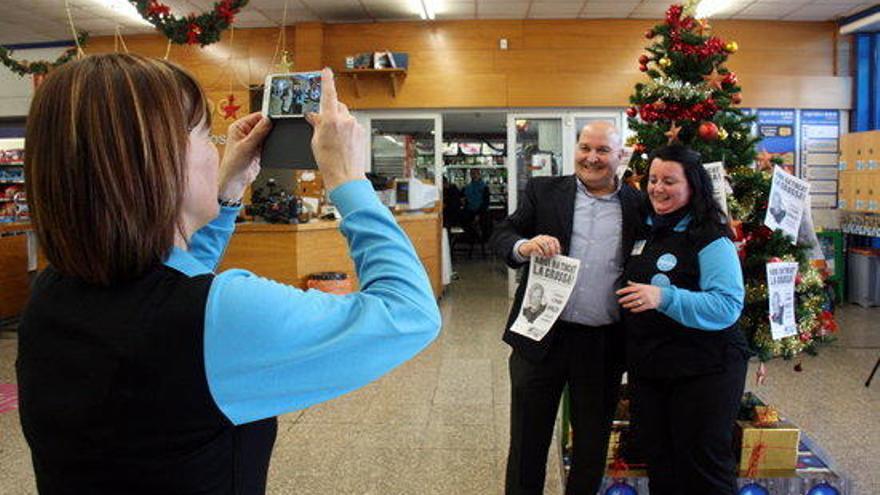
(603, 127)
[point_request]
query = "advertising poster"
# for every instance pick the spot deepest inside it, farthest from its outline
(820, 154)
(780, 292)
(788, 197)
(719, 184)
(776, 131)
(550, 283)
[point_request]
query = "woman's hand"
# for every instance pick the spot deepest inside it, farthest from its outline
(339, 142)
(540, 245)
(640, 297)
(241, 159)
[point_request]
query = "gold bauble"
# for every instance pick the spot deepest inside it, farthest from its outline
(722, 134)
(664, 62)
(731, 47)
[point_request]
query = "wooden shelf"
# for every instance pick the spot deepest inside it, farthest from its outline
(393, 75)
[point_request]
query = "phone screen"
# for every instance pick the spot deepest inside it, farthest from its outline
(292, 95)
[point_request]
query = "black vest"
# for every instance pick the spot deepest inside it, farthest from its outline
(657, 345)
(114, 397)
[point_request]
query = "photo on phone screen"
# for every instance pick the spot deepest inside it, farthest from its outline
(292, 95)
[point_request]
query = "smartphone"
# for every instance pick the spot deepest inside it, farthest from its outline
(293, 95)
(287, 98)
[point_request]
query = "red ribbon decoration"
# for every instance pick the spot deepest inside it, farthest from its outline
(157, 9)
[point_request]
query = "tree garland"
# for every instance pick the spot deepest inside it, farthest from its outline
(25, 68)
(203, 29)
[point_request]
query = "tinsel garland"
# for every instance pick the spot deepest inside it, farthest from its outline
(202, 29)
(24, 68)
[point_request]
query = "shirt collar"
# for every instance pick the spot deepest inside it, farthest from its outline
(184, 262)
(606, 197)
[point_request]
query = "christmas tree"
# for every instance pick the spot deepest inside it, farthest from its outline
(691, 98)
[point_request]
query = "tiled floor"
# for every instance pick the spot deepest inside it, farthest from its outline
(438, 424)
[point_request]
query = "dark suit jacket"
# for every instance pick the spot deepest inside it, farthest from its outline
(548, 209)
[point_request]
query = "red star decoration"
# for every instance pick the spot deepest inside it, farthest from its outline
(714, 79)
(230, 109)
(672, 133)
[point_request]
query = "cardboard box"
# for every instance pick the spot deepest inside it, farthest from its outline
(780, 445)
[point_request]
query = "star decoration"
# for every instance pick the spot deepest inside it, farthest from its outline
(672, 133)
(230, 109)
(286, 65)
(763, 160)
(714, 79)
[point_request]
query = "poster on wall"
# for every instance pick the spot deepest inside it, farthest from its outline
(820, 154)
(777, 137)
(780, 292)
(788, 198)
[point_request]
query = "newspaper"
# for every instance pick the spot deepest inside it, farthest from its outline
(780, 291)
(719, 184)
(788, 195)
(551, 281)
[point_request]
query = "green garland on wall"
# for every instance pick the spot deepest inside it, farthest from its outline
(202, 29)
(24, 68)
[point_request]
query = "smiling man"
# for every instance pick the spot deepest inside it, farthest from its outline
(590, 216)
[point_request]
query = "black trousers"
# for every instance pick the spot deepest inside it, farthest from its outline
(685, 429)
(590, 361)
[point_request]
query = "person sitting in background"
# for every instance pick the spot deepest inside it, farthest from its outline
(686, 356)
(140, 369)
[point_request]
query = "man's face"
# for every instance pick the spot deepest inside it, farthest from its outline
(536, 296)
(475, 174)
(597, 155)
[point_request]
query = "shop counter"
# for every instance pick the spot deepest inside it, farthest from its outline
(290, 253)
(14, 279)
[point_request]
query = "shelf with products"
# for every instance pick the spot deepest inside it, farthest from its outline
(13, 202)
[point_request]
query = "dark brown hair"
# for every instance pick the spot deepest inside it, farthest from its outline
(105, 161)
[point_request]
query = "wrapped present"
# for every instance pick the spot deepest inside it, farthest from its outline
(768, 448)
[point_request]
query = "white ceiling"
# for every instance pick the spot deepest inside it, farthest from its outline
(25, 21)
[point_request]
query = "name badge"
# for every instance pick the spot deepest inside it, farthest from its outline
(638, 247)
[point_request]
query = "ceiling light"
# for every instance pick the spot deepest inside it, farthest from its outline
(123, 8)
(708, 8)
(426, 8)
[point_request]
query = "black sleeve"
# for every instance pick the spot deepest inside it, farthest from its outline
(519, 225)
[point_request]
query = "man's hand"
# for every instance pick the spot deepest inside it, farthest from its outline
(640, 297)
(339, 142)
(540, 245)
(241, 159)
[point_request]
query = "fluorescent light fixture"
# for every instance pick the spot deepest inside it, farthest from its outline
(123, 8)
(426, 9)
(708, 8)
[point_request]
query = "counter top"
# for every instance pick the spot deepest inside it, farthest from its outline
(15, 227)
(320, 224)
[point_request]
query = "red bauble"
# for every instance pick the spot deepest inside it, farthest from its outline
(730, 78)
(643, 60)
(708, 131)
(643, 68)
(639, 148)
(650, 34)
(632, 112)
(775, 259)
(736, 98)
(798, 279)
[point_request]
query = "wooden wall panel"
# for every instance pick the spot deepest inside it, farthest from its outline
(14, 281)
(549, 62)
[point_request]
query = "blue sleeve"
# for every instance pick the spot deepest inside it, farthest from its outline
(209, 243)
(718, 303)
(272, 348)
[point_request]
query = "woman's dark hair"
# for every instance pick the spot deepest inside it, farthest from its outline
(707, 215)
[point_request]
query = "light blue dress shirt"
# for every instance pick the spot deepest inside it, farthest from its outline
(596, 241)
